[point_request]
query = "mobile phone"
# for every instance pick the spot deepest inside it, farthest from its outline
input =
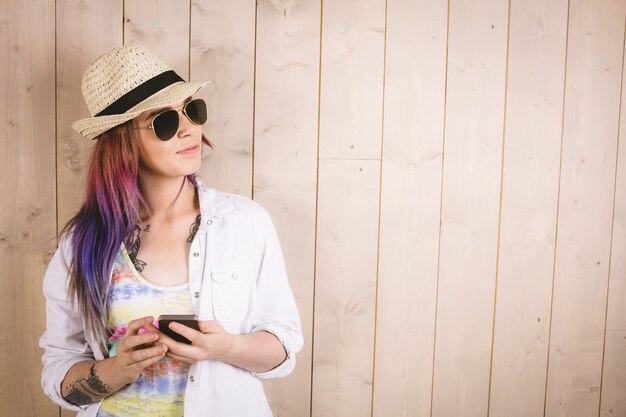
(186, 320)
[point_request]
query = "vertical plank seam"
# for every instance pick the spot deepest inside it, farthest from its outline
(56, 136)
(558, 204)
(123, 21)
(317, 185)
(443, 145)
(380, 193)
(189, 46)
(495, 290)
(608, 283)
(56, 131)
(256, 28)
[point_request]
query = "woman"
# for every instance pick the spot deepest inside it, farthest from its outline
(151, 240)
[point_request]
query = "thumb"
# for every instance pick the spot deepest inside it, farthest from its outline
(209, 326)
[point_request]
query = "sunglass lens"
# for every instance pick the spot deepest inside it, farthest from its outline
(166, 124)
(196, 111)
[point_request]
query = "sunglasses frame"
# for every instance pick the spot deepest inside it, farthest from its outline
(183, 111)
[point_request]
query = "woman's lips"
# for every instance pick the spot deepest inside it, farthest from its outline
(192, 149)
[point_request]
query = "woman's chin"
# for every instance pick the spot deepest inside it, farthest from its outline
(189, 166)
(195, 167)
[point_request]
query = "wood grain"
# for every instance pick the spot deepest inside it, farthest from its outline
(353, 37)
(162, 26)
(532, 154)
(613, 393)
(28, 222)
(84, 32)
(613, 400)
(415, 74)
(477, 43)
(285, 164)
(222, 51)
(585, 207)
(345, 287)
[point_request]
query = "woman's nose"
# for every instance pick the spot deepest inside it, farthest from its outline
(184, 125)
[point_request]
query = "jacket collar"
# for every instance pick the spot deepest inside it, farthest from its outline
(213, 202)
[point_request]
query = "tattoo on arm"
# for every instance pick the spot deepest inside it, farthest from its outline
(88, 390)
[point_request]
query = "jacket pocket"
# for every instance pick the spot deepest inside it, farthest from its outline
(231, 292)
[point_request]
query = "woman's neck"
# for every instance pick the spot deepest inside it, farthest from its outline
(168, 198)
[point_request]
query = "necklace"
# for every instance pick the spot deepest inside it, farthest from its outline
(141, 265)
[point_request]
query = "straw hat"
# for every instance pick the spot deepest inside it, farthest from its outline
(124, 82)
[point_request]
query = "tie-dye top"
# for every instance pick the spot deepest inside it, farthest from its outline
(159, 390)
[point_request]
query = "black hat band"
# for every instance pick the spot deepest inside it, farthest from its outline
(140, 93)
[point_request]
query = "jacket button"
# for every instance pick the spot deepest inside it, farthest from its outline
(196, 254)
(209, 221)
(196, 294)
(191, 378)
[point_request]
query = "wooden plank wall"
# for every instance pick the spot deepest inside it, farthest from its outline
(612, 398)
(587, 191)
(285, 162)
(446, 179)
(29, 212)
(415, 83)
(350, 137)
(530, 182)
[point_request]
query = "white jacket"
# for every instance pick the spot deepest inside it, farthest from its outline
(237, 276)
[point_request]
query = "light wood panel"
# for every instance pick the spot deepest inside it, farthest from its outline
(613, 388)
(285, 164)
(352, 64)
(345, 287)
(616, 314)
(477, 44)
(534, 114)
(84, 32)
(28, 223)
(411, 195)
(613, 399)
(222, 50)
(348, 200)
(162, 26)
(593, 80)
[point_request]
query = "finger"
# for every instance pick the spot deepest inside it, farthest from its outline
(141, 355)
(210, 326)
(135, 325)
(173, 345)
(165, 339)
(144, 346)
(191, 334)
(130, 342)
(151, 328)
(178, 357)
(147, 362)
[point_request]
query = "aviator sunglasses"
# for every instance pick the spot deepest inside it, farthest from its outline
(165, 124)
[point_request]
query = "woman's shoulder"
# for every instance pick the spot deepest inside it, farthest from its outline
(64, 245)
(245, 204)
(221, 203)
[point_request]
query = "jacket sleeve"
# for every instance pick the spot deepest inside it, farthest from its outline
(276, 311)
(63, 341)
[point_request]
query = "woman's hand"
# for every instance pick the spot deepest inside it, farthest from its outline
(211, 342)
(88, 382)
(136, 352)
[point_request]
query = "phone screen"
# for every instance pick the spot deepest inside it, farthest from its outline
(186, 320)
